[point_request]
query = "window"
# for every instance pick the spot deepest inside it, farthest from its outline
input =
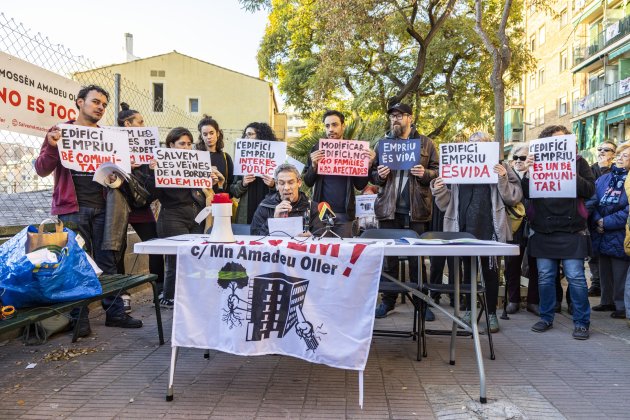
(575, 96)
(541, 35)
(532, 117)
(541, 77)
(532, 81)
(563, 107)
(564, 18)
(158, 73)
(193, 105)
(532, 42)
(564, 60)
(541, 115)
(158, 97)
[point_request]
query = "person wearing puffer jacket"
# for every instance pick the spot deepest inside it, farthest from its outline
(609, 215)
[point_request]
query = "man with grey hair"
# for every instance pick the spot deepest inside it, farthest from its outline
(287, 201)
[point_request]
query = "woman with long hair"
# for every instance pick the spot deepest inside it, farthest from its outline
(250, 189)
(211, 140)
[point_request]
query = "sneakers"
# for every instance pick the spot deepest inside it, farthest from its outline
(542, 326)
(126, 298)
(381, 310)
(494, 323)
(580, 333)
(167, 303)
(123, 321)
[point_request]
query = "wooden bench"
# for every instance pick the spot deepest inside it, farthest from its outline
(112, 285)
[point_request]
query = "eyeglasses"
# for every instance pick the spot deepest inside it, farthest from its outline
(521, 158)
(604, 149)
(397, 117)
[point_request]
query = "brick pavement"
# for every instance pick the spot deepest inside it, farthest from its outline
(534, 376)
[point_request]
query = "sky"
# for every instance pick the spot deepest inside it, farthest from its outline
(216, 31)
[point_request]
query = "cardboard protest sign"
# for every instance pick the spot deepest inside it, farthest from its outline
(180, 168)
(553, 172)
(83, 148)
(469, 163)
(344, 157)
(399, 154)
(258, 157)
(142, 142)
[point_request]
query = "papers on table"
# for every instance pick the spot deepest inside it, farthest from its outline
(285, 226)
(459, 241)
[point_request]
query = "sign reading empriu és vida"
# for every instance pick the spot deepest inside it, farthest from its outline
(553, 172)
(84, 149)
(469, 163)
(180, 168)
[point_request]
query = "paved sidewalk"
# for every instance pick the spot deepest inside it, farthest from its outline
(123, 374)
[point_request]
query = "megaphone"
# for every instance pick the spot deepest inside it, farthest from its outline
(222, 215)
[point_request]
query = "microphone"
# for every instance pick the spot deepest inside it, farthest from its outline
(326, 214)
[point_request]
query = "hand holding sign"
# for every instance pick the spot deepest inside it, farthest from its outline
(418, 171)
(316, 157)
(53, 136)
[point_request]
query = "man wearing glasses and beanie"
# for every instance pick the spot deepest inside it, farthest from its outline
(404, 201)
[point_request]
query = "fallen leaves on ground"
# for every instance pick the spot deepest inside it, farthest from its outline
(68, 354)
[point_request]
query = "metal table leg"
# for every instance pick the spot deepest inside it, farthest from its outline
(456, 310)
(171, 374)
(475, 330)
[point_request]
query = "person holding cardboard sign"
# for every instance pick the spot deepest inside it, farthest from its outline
(250, 189)
(80, 203)
(211, 140)
(404, 200)
(480, 209)
(559, 233)
(336, 190)
(179, 208)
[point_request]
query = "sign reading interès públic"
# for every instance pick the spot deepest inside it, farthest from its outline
(33, 99)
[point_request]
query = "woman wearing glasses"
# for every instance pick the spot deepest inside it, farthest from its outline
(513, 263)
(250, 189)
(609, 215)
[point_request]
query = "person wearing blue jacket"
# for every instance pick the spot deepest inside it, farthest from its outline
(609, 213)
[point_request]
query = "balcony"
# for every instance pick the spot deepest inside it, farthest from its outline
(600, 98)
(613, 33)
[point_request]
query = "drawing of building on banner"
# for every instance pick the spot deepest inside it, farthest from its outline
(276, 308)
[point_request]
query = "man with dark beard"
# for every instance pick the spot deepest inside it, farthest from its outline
(404, 200)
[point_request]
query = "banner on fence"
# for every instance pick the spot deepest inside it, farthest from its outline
(399, 154)
(553, 171)
(142, 142)
(33, 99)
(181, 168)
(258, 157)
(344, 157)
(469, 163)
(84, 148)
(278, 297)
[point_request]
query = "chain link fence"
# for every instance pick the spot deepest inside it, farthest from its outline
(25, 198)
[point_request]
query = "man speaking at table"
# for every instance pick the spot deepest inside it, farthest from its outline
(404, 200)
(336, 190)
(80, 203)
(288, 201)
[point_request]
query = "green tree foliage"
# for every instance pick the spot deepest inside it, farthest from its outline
(361, 55)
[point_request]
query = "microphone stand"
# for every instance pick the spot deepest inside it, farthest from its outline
(330, 223)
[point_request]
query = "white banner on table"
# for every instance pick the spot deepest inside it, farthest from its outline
(258, 157)
(84, 148)
(365, 205)
(469, 163)
(181, 168)
(142, 143)
(553, 171)
(311, 301)
(33, 99)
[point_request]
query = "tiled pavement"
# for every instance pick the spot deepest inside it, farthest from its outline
(535, 376)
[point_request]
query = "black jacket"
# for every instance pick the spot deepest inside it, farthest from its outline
(549, 215)
(312, 179)
(303, 208)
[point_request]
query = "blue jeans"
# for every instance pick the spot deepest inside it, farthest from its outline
(574, 272)
(90, 224)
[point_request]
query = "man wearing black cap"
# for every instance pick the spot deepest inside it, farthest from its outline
(404, 200)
